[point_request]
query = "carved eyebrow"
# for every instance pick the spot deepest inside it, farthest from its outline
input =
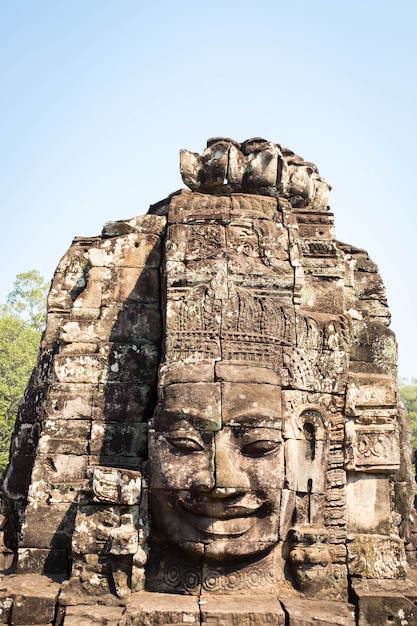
(178, 421)
(183, 434)
(180, 412)
(263, 433)
(254, 417)
(194, 413)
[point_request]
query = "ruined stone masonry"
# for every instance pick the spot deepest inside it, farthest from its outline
(212, 434)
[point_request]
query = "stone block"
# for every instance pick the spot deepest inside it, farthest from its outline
(70, 401)
(324, 408)
(375, 343)
(119, 461)
(318, 249)
(369, 286)
(322, 292)
(239, 373)
(193, 347)
(366, 391)
(116, 362)
(191, 400)
(249, 580)
(368, 504)
(7, 560)
(195, 242)
(79, 348)
(75, 258)
(118, 439)
(65, 436)
(259, 610)
(130, 363)
(258, 239)
(177, 276)
(255, 206)
(89, 577)
(372, 448)
(302, 612)
(80, 368)
(89, 332)
(177, 373)
(153, 224)
(167, 573)
(373, 556)
(59, 299)
(261, 271)
(17, 481)
(390, 602)
(130, 250)
(185, 207)
(93, 615)
(306, 474)
(314, 370)
(69, 279)
(160, 608)
(6, 603)
(107, 529)
(48, 526)
(375, 310)
(134, 321)
(34, 599)
(123, 402)
(60, 469)
(264, 167)
(86, 301)
(26, 440)
(46, 492)
(112, 485)
(316, 227)
(43, 561)
(54, 324)
(243, 401)
(127, 286)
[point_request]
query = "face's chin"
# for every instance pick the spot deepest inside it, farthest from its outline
(230, 529)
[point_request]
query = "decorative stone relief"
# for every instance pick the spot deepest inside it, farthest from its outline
(376, 556)
(374, 449)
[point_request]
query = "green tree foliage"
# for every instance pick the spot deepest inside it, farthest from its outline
(19, 344)
(408, 394)
(21, 321)
(27, 299)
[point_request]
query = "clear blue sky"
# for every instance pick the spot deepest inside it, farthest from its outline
(99, 96)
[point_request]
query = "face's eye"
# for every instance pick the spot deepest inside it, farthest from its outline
(260, 447)
(185, 444)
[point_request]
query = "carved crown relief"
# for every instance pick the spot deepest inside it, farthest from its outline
(255, 166)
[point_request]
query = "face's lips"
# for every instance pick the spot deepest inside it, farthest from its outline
(214, 517)
(217, 510)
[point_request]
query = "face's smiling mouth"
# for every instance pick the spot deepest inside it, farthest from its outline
(221, 518)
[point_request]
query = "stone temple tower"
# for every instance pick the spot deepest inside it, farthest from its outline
(212, 434)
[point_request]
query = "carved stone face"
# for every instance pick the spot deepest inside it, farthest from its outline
(217, 467)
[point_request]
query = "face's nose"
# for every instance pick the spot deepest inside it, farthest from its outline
(229, 475)
(224, 475)
(203, 481)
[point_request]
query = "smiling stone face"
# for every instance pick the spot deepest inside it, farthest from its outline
(217, 466)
